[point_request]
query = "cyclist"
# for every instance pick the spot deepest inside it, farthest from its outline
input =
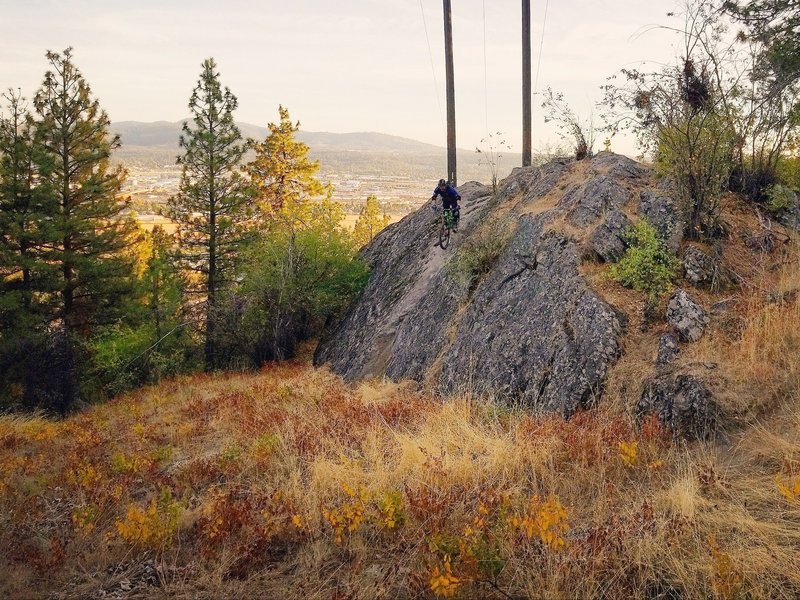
(450, 198)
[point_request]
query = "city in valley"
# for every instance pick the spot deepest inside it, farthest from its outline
(150, 188)
(401, 173)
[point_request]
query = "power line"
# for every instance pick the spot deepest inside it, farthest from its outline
(485, 76)
(433, 69)
(541, 44)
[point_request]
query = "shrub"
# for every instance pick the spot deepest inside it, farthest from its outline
(293, 283)
(648, 265)
(780, 198)
(477, 256)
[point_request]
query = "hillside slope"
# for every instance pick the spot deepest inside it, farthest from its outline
(290, 484)
(166, 134)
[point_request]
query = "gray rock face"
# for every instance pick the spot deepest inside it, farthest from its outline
(587, 203)
(534, 331)
(608, 239)
(683, 403)
(528, 328)
(698, 267)
(686, 316)
(667, 349)
(406, 266)
(662, 211)
(618, 167)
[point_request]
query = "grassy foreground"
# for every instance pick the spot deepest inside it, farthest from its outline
(288, 483)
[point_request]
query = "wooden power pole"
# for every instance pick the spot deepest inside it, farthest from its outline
(526, 83)
(451, 96)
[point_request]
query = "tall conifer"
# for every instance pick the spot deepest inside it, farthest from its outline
(283, 175)
(212, 206)
(86, 226)
(22, 213)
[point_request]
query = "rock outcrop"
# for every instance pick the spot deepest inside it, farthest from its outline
(683, 403)
(687, 317)
(698, 267)
(510, 315)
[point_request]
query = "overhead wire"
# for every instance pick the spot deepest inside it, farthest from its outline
(485, 74)
(541, 45)
(433, 69)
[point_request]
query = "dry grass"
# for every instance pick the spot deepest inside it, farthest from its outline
(287, 483)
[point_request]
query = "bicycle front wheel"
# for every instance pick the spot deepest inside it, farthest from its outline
(444, 234)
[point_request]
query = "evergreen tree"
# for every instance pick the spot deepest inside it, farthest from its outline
(212, 208)
(371, 220)
(283, 175)
(21, 243)
(300, 270)
(163, 286)
(87, 230)
(775, 24)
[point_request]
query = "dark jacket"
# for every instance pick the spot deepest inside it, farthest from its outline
(448, 193)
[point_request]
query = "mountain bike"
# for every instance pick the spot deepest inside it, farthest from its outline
(448, 223)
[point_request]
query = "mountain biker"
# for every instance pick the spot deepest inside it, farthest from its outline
(450, 198)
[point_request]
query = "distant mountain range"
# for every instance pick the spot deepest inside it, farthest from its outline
(154, 146)
(165, 134)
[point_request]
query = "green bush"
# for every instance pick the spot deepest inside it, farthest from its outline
(293, 283)
(647, 265)
(780, 198)
(789, 170)
(124, 357)
(478, 254)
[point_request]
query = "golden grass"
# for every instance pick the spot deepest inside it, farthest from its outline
(287, 483)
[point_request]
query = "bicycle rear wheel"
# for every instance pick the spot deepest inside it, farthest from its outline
(444, 233)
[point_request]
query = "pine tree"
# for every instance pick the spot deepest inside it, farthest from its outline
(162, 284)
(87, 228)
(21, 244)
(371, 220)
(212, 208)
(283, 175)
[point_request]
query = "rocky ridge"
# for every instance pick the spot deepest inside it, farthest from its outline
(506, 310)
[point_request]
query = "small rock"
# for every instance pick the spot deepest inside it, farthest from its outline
(667, 349)
(683, 403)
(686, 316)
(779, 297)
(698, 267)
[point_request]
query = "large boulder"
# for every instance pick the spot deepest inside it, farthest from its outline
(526, 326)
(683, 403)
(587, 203)
(534, 331)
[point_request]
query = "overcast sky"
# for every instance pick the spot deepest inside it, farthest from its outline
(340, 66)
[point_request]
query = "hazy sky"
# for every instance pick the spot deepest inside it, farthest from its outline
(337, 65)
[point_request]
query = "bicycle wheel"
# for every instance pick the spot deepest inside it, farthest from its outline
(444, 233)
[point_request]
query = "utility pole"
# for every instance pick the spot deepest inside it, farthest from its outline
(526, 83)
(451, 95)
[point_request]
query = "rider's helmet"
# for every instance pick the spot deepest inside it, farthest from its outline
(442, 183)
